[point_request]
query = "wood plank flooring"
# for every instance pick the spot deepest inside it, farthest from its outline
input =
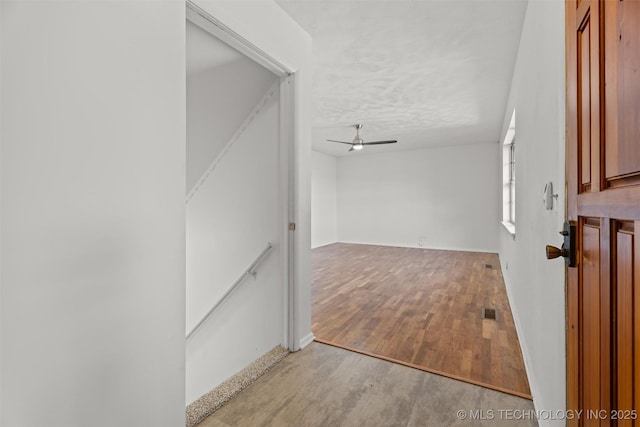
(421, 308)
(326, 386)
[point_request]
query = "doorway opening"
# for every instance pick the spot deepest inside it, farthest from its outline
(238, 201)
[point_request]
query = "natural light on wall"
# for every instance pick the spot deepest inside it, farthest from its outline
(509, 177)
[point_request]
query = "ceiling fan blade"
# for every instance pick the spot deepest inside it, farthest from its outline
(351, 149)
(390, 141)
(341, 142)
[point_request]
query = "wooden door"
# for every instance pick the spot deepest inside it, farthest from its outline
(603, 195)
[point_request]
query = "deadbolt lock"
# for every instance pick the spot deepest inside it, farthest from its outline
(568, 248)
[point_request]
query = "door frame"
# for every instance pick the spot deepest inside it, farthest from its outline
(214, 26)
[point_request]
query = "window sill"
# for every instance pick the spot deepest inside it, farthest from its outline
(510, 227)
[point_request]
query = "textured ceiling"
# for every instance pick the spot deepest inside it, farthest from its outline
(428, 73)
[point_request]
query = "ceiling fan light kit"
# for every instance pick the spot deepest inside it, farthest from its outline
(358, 143)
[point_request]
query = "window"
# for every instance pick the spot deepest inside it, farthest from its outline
(509, 177)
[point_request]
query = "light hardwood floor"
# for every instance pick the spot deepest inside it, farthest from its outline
(419, 307)
(327, 386)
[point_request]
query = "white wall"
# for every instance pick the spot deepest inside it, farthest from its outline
(92, 244)
(216, 108)
(1, 11)
(230, 219)
(535, 285)
(441, 198)
(324, 209)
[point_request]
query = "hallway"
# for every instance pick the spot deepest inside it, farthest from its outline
(327, 386)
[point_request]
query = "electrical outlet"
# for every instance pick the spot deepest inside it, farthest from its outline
(421, 241)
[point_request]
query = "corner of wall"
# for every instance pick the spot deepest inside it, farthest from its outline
(302, 208)
(324, 207)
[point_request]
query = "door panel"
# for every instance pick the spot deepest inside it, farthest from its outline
(590, 325)
(603, 197)
(584, 101)
(625, 316)
(622, 64)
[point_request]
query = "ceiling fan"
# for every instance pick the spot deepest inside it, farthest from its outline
(358, 143)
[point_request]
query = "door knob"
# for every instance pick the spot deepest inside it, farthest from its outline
(553, 252)
(568, 248)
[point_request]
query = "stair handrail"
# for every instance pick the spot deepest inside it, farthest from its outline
(249, 271)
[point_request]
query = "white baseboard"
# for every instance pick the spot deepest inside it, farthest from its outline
(438, 248)
(323, 244)
(305, 341)
(533, 385)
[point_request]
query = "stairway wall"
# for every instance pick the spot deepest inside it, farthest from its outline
(230, 219)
